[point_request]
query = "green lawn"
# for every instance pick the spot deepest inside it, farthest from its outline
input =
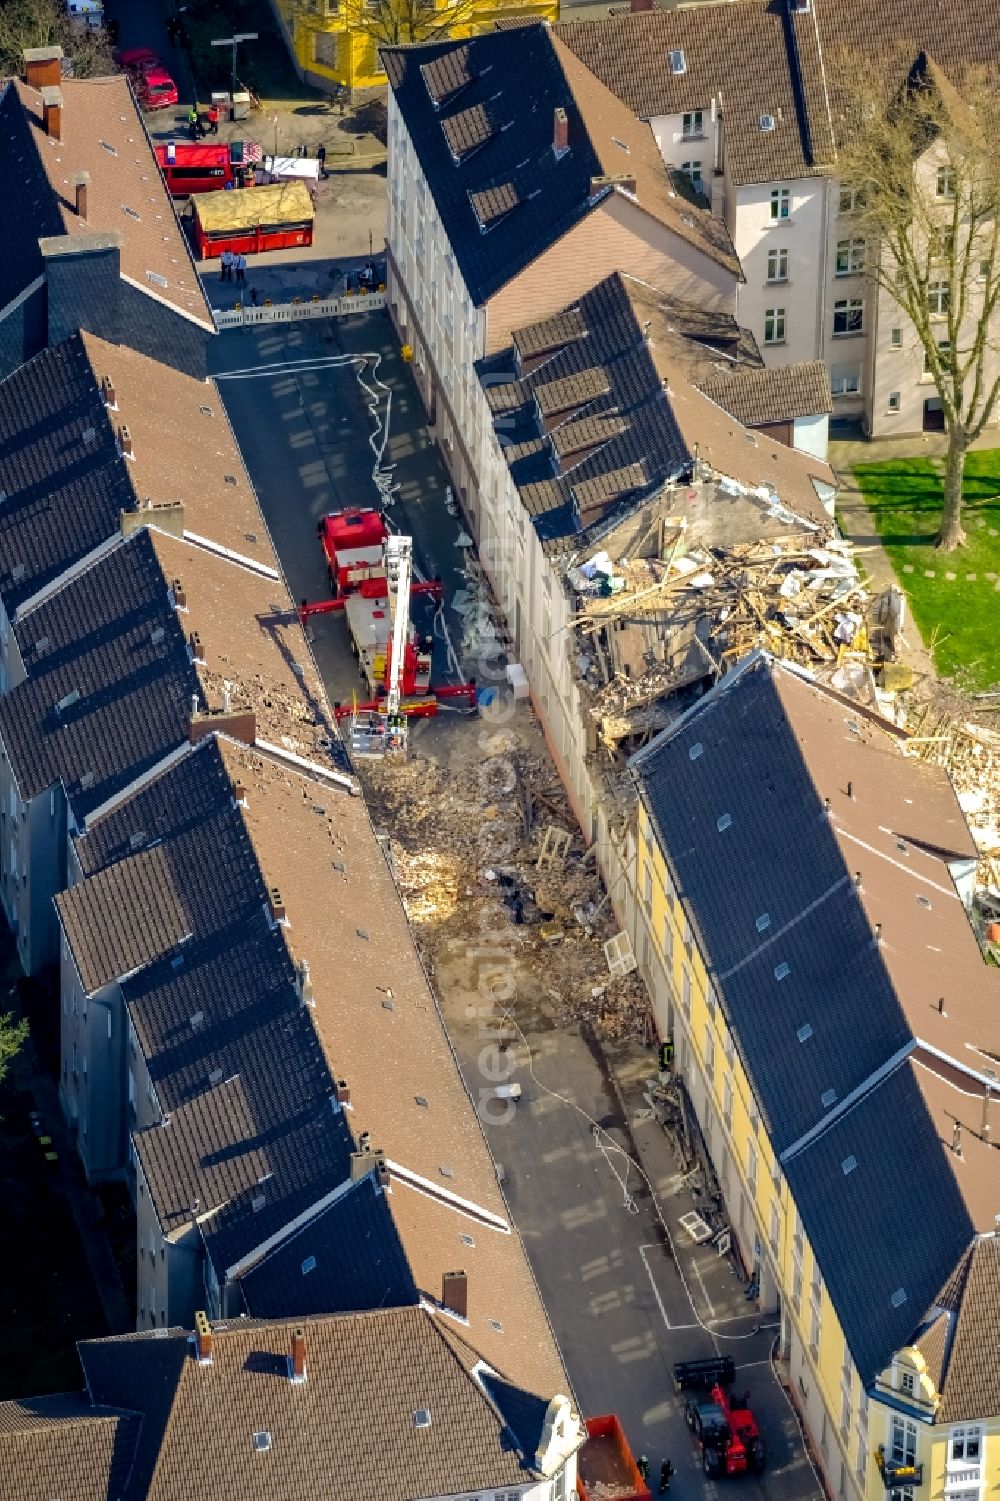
(958, 616)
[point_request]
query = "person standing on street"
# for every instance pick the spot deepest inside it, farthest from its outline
(226, 260)
(240, 262)
(321, 158)
(666, 1471)
(192, 121)
(642, 1465)
(213, 119)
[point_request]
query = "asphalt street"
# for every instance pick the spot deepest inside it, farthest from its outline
(621, 1311)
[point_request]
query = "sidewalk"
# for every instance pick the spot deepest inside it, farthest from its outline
(719, 1320)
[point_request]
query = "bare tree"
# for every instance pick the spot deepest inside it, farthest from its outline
(398, 23)
(45, 23)
(922, 161)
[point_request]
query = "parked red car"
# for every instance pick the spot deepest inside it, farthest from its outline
(154, 87)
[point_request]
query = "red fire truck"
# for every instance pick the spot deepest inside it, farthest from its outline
(190, 167)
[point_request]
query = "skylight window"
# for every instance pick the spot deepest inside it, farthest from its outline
(696, 750)
(678, 62)
(262, 1441)
(782, 970)
(848, 1165)
(805, 1032)
(422, 1417)
(309, 1265)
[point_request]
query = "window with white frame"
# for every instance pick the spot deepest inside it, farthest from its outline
(850, 256)
(845, 381)
(775, 1225)
(938, 298)
(815, 1310)
(965, 1446)
(727, 1102)
(894, 402)
(781, 204)
(692, 171)
(691, 124)
(752, 1160)
(944, 348)
(851, 199)
(945, 184)
(848, 316)
(668, 939)
(777, 265)
(774, 325)
(861, 1461)
(709, 1051)
(895, 338)
(902, 1440)
(907, 1383)
(647, 886)
(686, 991)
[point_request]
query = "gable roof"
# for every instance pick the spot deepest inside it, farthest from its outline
(108, 649)
(759, 397)
(968, 1373)
(64, 481)
(596, 407)
(773, 774)
(480, 114)
(348, 1430)
(103, 134)
(794, 78)
(65, 1447)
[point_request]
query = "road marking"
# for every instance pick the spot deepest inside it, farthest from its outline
(656, 1291)
(704, 1289)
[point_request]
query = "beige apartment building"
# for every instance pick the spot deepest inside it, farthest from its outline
(757, 142)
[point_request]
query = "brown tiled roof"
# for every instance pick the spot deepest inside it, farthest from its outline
(551, 333)
(468, 129)
(375, 1014)
(123, 917)
(565, 393)
(575, 438)
(183, 448)
(493, 203)
(971, 1382)
(64, 1447)
(103, 134)
(447, 74)
(932, 1343)
(242, 1428)
(625, 144)
(954, 1099)
(759, 396)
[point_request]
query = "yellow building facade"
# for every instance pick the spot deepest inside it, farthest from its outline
(334, 48)
(857, 1435)
(928, 1427)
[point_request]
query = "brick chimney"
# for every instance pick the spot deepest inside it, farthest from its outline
(203, 1338)
(125, 442)
(276, 905)
(166, 515)
(107, 384)
(560, 132)
(297, 1359)
(81, 181)
(43, 67)
(343, 1092)
(239, 793)
(455, 1293)
(180, 595)
(52, 105)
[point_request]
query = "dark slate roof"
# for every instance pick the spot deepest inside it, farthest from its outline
(119, 920)
(750, 770)
(883, 1268)
(62, 479)
(347, 1431)
(348, 1258)
(189, 793)
(31, 211)
(65, 1447)
(589, 423)
(107, 645)
(480, 114)
(252, 1130)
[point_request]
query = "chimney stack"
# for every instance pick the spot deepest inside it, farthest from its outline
(303, 984)
(81, 181)
(239, 793)
(956, 1139)
(197, 649)
(52, 103)
(43, 67)
(180, 597)
(276, 905)
(455, 1293)
(560, 132)
(297, 1359)
(125, 442)
(203, 1338)
(343, 1092)
(107, 384)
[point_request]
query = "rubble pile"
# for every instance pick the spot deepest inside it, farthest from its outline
(648, 627)
(465, 843)
(970, 752)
